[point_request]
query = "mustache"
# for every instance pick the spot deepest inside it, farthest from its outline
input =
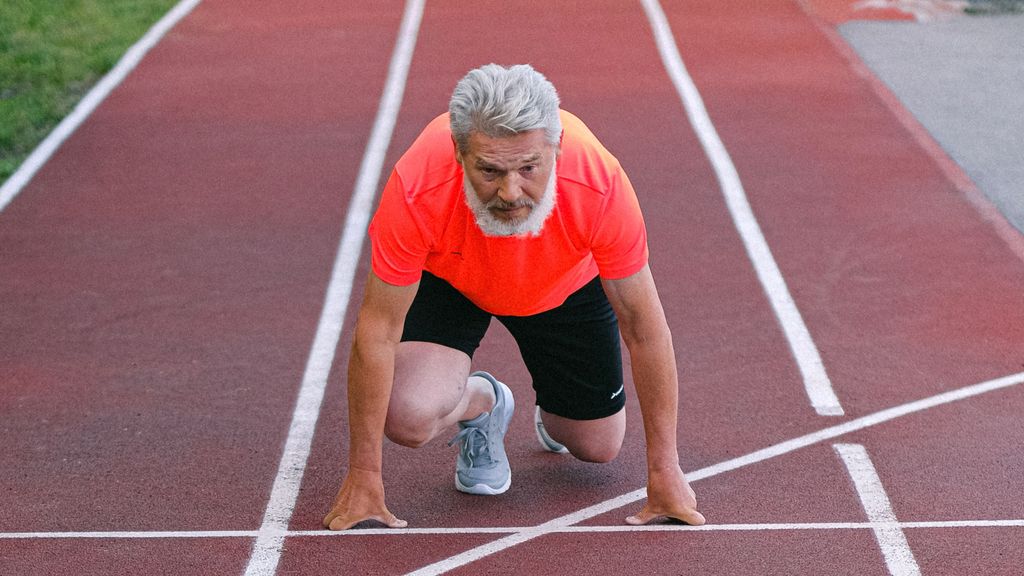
(500, 204)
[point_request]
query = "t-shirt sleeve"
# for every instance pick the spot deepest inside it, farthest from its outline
(620, 241)
(398, 249)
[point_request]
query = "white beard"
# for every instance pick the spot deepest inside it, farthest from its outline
(491, 225)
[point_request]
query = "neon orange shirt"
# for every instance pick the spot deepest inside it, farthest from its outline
(423, 223)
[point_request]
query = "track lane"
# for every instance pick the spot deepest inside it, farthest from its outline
(776, 136)
(667, 164)
(161, 279)
(740, 306)
(902, 266)
(740, 388)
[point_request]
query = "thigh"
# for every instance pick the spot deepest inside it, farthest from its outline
(442, 330)
(574, 356)
(440, 314)
(429, 383)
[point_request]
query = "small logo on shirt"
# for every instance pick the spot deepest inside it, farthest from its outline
(619, 391)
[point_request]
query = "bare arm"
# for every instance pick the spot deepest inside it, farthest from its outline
(649, 341)
(370, 377)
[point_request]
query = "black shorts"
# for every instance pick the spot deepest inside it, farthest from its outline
(572, 351)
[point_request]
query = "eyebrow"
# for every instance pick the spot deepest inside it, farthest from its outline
(531, 159)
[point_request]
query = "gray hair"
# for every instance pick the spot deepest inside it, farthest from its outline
(501, 102)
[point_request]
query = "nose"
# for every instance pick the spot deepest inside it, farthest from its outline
(510, 189)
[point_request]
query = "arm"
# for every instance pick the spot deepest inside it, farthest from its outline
(647, 337)
(370, 377)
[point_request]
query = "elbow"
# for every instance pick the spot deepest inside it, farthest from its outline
(638, 336)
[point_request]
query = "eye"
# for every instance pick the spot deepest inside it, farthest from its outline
(528, 169)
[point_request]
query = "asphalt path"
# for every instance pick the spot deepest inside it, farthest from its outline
(962, 77)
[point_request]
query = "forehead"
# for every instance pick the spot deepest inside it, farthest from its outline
(525, 147)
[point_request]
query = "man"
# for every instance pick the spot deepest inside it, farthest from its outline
(508, 207)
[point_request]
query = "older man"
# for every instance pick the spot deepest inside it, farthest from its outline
(508, 207)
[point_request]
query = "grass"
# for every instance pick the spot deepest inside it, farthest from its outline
(51, 53)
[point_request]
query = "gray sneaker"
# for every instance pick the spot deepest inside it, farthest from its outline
(546, 442)
(482, 466)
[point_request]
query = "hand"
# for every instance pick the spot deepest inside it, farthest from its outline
(668, 496)
(360, 498)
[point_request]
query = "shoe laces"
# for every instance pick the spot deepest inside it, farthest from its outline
(474, 442)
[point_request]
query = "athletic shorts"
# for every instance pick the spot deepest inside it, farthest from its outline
(572, 352)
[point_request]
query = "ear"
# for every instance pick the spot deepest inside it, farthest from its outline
(455, 150)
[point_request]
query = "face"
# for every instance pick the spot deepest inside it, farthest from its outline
(510, 181)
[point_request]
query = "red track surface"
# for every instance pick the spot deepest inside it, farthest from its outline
(161, 280)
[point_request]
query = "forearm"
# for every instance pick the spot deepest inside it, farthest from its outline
(649, 341)
(656, 381)
(371, 370)
(370, 377)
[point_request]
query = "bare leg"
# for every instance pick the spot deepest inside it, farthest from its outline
(431, 393)
(589, 440)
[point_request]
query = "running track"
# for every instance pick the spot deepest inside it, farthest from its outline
(175, 280)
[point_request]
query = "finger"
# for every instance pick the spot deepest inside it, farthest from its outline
(331, 517)
(338, 523)
(392, 521)
(691, 517)
(643, 517)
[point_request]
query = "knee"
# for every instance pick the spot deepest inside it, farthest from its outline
(596, 453)
(598, 441)
(407, 427)
(406, 434)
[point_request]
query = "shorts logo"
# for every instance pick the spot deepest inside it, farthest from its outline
(619, 391)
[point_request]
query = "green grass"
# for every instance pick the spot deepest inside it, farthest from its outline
(51, 53)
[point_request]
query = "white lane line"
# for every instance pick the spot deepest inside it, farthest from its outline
(899, 558)
(23, 175)
(267, 548)
(127, 535)
(775, 451)
(812, 369)
(741, 527)
(565, 523)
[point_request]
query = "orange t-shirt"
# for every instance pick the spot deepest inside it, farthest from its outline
(424, 223)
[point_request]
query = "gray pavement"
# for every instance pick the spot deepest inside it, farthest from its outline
(963, 79)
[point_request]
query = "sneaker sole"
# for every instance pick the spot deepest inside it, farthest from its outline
(483, 489)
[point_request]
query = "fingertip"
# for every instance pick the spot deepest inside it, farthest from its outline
(635, 521)
(693, 518)
(336, 524)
